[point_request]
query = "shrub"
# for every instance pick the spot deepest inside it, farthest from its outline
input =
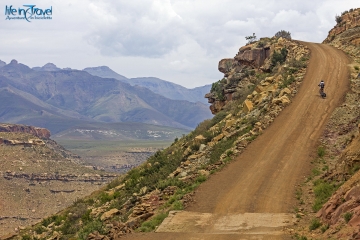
(348, 216)
(150, 225)
(322, 190)
(287, 81)
(315, 223)
(195, 147)
(338, 19)
(278, 57)
(298, 63)
(217, 88)
(26, 237)
(321, 151)
(177, 205)
(40, 229)
(89, 228)
(356, 68)
(283, 34)
(251, 39)
(324, 228)
(298, 237)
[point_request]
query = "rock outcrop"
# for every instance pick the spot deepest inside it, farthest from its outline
(348, 22)
(252, 64)
(36, 131)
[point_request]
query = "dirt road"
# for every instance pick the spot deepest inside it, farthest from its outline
(253, 197)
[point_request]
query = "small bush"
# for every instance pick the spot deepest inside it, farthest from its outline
(321, 151)
(177, 205)
(315, 224)
(283, 34)
(251, 39)
(150, 225)
(298, 237)
(26, 237)
(217, 88)
(39, 229)
(322, 190)
(278, 57)
(348, 216)
(324, 228)
(356, 68)
(218, 117)
(89, 228)
(287, 81)
(195, 147)
(338, 19)
(355, 168)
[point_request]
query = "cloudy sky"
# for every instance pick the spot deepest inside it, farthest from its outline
(180, 41)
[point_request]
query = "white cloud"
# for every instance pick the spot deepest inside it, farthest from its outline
(177, 40)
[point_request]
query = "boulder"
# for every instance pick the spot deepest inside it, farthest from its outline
(109, 214)
(200, 138)
(225, 65)
(284, 100)
(248, 106)
(253, 57)
(284, 92)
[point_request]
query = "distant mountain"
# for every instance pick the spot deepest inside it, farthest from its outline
(64, 98)
(47, 67)
(105, 72)
(156, 85)
(2, 63)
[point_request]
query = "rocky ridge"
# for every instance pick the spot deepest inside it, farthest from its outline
(42, 133)
(38, 177)
(257, 85)
(339, 216)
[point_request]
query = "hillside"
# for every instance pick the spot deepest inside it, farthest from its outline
(38, 177)
(330, 196)
(167, 89)
(260, 85)
(70, 97)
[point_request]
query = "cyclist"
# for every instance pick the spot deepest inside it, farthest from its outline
(322, 86)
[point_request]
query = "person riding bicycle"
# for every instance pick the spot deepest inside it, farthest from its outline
(321, 90)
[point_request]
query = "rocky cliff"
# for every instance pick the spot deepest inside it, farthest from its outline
(37, 132)
(253, 64)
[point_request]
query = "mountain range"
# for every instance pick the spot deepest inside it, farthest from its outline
(157, 85)
(59, 99)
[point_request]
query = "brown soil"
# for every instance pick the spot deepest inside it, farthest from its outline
(264, 177)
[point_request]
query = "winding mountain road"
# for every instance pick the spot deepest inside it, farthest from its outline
(253, 197)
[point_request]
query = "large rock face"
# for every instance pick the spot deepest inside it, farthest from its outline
(38, 132)
(349, 21)
(253, 57)
(248, 68)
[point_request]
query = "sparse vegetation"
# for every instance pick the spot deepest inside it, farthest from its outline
(278, 57)
(315, 224)
(338, 19)
(283, 34)
(324, 228)
(251, 39)
(149, 226)
(322, 190)
(299, 237)
(348, 216)
(356, 68)
(217, 89)
(321, 151)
